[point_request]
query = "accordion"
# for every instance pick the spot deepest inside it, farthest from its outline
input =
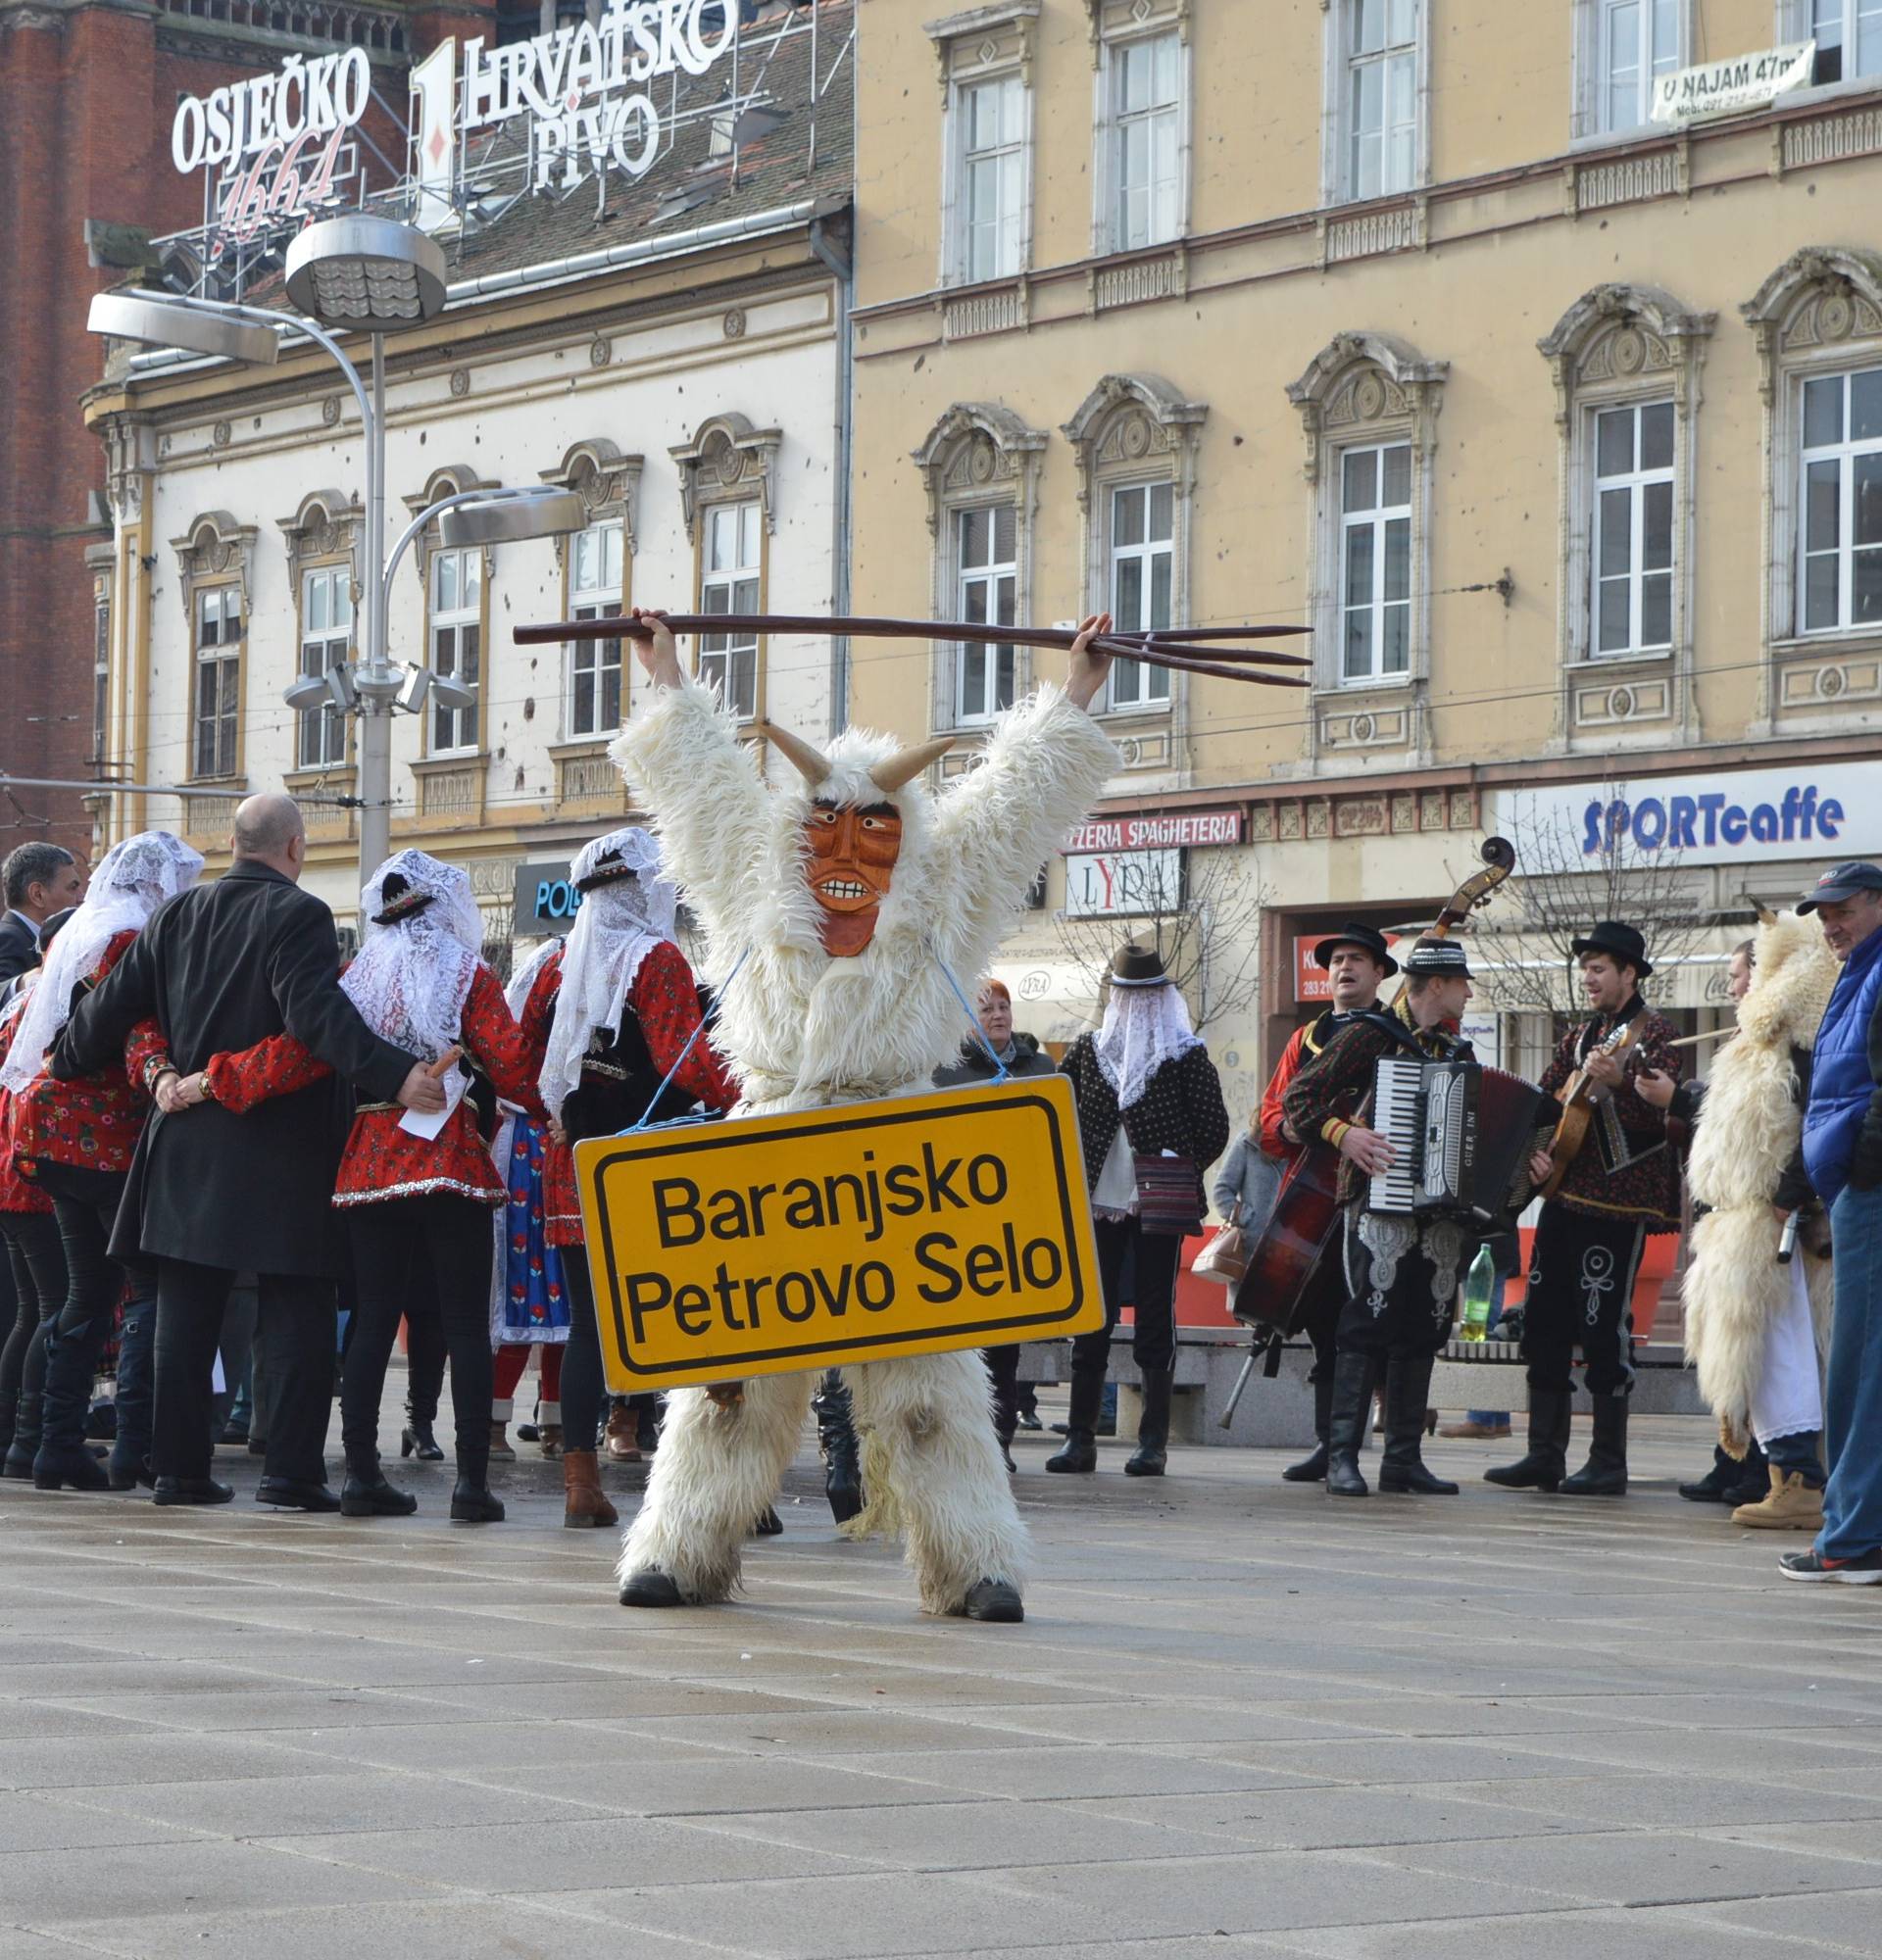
(1461, 1135)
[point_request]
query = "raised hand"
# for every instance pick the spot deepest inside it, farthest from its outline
(1086, 671)
(656, 649)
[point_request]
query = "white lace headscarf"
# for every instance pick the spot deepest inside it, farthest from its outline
(413, 974)
(522, 977)
(1144, 1027)
(621, 922)
(132, 879)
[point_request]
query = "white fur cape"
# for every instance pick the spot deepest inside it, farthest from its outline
(802, 1029)
(1748, 1127)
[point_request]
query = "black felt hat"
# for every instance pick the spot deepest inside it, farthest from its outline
(1623, 944)
(1367, 938)
(1134, 965)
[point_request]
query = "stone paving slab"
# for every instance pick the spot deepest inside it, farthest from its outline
(1240, 1722)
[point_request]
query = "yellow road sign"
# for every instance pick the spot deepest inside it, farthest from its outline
(771, 1245)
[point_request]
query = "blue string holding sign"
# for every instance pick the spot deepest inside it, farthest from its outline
(1001, 1072)
(692, 1042)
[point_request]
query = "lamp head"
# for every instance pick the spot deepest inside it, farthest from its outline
(371, 274)
(160, 322)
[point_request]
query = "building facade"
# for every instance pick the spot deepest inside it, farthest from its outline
(1559, 427)
(91, 90)
(668, 345)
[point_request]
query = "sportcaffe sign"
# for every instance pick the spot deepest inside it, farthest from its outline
(303, 101)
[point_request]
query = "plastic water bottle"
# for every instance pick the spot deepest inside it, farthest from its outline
(1476, 1295)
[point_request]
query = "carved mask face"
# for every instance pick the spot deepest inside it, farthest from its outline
(853, 854)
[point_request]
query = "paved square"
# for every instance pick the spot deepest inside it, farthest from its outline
(1240, 1721)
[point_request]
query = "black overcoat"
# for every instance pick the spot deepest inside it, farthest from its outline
(222, 967)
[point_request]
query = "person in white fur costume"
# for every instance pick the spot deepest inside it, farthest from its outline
(846, 891)
(1756, 1324)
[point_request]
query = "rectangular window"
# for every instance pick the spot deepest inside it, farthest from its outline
(594, 593)
(457, 642)
(1381, 96)
(1146, 84)
(1633, 543)
(1375, 563)
(219, 670)
(992, 119)
(100, 671)
(327, 634)
(1143, 567)
(731, 584)
(988, 577)
(1636, 41)
(1841, 544)
(1849, 38)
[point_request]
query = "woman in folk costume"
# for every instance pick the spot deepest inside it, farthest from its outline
(1754, 1324)
(528, 1295)
(417, 1205)
(74, 1140)
(617, 1006)
(1146, 1088)
(845, 893)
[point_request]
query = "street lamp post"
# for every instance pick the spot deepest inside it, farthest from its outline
(358, 274)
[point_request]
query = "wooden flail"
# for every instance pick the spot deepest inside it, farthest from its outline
(1175, 648)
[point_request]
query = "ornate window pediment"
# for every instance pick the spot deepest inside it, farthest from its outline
(450, 479)
(607, 482)
(214, 547)
(1362, 379)
(1818, 298)
(728, 459)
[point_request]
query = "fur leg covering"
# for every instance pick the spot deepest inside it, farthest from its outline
(930, 1450)
(717, 1469)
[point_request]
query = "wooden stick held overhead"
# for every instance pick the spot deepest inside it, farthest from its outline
(1184, 649)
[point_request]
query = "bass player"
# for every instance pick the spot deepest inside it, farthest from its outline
(1357, 963)
(1620, 1188)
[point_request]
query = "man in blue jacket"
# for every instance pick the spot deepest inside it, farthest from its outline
(1842, 1153)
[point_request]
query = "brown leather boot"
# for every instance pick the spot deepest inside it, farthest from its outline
(623, 1433)
(584, 1502)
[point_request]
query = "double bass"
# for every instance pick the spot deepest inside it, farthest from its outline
(1300, 1230)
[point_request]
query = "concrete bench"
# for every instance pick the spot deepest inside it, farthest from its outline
(1489, 1374)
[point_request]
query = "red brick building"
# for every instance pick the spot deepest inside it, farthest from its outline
(91, 90)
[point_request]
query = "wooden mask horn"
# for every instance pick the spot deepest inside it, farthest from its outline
(890, 774)
(811, 764)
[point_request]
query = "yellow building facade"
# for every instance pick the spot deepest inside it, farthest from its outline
(1402, 321)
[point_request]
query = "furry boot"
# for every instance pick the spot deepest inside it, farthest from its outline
(1542, 1467)
(1352, 1405)
(932, 1450)
(717, 1469)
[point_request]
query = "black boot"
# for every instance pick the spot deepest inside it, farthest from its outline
(1153, 1428)
(836, 1438)
(1313, 1469)
(1548, 1455)
(1080, 1456)
(1604, 1474)
(64, 1457)
(1408, 1379)
(1346, 1421)
(24, 1445)
(418, 1434)
(1722, 1480)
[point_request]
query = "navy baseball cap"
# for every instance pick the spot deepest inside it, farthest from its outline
(1840, 882)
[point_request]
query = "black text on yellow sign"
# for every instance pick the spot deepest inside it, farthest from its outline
(770, 1245)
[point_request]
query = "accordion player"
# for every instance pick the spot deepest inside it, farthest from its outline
(1462, 1135)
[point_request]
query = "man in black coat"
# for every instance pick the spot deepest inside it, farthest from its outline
(212, 1195)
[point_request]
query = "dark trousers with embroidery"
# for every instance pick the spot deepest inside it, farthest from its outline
(1393, 1303)
(1581, 1289)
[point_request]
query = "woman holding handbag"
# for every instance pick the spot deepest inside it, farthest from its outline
(1244, 1193)
(1151, 1116)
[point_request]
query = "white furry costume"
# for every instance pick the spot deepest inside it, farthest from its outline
(1737, 1294)
(804, 1030)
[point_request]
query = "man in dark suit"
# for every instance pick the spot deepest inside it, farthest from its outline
(39, 879)
(212, 1195)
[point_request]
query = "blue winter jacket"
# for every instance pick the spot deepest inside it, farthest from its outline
(1846, 1080)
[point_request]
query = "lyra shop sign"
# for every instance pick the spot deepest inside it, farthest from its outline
(585, 86)
(1123, 884)
(772, 1245)
(1750, 816)
(1733, 86)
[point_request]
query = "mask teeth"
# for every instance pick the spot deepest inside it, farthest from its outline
(843, 888)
